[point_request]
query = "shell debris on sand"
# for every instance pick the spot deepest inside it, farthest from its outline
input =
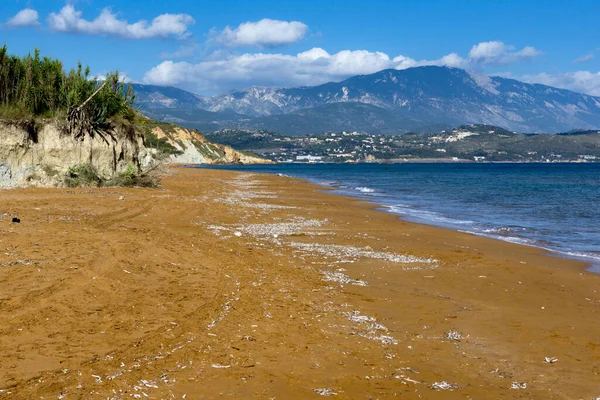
(443, 385)
(330, 276)
(453, 336)
(349, 254)
(295, 226)
(325, 392)
(518, 385)
(371, 329)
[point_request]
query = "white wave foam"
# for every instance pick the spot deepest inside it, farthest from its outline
(422, 215)
(364, 189)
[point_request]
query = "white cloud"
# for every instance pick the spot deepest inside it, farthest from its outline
(165, 25)
(266, 32)
(586, 58)
(312, 67)
(498, 53)
(578, 81)
(225, 71)
(25, 17)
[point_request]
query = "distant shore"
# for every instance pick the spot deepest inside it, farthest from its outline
(252, 285)
(450, 161)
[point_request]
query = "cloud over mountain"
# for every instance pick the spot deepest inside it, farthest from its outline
(579, 81)
(223, 71)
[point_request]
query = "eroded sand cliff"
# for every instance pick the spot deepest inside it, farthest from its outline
(40, 154)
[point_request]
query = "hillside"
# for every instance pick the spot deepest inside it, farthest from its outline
(463, 143)
(399, 100)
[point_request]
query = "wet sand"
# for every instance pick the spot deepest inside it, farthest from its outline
(227, 284)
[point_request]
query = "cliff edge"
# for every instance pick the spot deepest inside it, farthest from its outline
(41, 153)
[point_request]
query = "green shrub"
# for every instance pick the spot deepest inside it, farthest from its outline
(86, 175)
(33, 86)
(131, 178)
(83, 175)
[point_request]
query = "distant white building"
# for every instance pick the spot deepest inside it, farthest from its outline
(309, 158)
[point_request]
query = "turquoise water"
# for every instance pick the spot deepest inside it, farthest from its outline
(552, 206)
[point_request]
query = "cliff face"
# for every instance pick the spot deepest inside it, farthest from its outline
(195, 149)
(41, 155)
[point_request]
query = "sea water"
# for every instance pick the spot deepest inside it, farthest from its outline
(552, 206)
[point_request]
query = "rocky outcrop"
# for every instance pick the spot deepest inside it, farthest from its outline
(195, 149)
(41, 153)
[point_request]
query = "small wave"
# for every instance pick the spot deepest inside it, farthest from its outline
(527, 241)
(584, 255)
(331, 184)
(436, 218)
(507, 230)
(364, 189)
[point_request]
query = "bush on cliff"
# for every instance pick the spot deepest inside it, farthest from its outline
(33, 86)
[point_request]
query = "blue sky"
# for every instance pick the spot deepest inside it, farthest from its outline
(212, 46)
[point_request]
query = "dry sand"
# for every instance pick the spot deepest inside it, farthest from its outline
(226, 284)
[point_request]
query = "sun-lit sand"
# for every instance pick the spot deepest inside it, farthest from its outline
(228, 284)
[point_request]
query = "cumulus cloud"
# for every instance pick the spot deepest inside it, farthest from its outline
(498, 53)
(578, 81)
(264, 33)
(166, 25)
(311, 67)
(223, 71)
(586, 58)
(25, 17)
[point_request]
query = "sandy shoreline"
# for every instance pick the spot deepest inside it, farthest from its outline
(246, 285)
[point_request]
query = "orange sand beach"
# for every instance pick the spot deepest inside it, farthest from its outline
(224, 284)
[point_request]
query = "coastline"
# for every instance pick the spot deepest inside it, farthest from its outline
(441, 219)
(255, 285)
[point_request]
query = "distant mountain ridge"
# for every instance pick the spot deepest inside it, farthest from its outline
(389, 101)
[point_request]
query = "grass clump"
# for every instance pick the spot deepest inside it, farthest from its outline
(86, 175)
(83, 175)
(132, 178)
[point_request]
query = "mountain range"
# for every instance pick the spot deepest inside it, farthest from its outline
(424, 99)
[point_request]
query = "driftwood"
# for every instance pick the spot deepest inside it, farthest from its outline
(81, 122)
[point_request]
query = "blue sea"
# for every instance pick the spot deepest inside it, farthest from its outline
(551, 206)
